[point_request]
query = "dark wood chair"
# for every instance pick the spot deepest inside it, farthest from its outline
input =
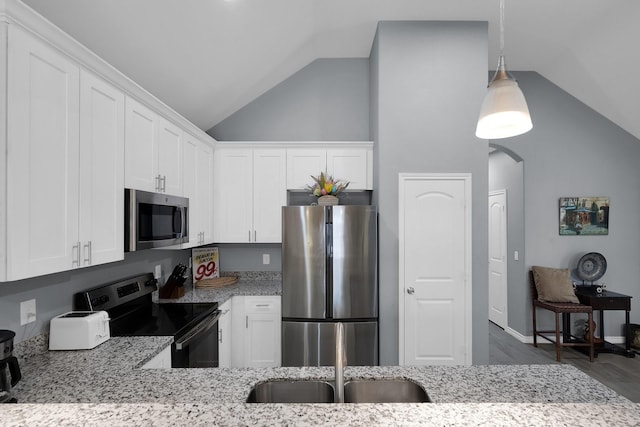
(560, 308)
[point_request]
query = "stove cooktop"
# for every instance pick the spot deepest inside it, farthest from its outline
(165, 319)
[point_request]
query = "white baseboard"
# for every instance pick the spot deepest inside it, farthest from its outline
(528, 339)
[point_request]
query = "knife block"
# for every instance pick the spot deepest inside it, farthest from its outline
(173, 288)
(171, 292)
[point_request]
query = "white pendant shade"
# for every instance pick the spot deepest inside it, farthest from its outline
(504, 112)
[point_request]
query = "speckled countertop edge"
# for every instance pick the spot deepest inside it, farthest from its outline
(80, 387)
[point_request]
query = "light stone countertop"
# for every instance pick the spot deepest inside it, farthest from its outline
(105, 386)
(249, 283)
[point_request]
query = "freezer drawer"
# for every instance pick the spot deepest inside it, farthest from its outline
(313, 343)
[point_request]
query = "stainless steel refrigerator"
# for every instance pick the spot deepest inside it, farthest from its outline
(329, 275)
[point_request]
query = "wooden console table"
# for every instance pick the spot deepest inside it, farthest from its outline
(606, 300)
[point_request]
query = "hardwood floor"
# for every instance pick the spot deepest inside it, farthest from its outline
(617, 372)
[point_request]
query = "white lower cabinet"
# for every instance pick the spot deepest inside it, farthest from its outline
(160, 361)
(224, 336)
(263, 331)
(256, 332)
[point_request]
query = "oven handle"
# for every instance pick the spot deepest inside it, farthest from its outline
(200, 328)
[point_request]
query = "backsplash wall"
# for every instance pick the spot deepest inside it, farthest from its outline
(54, 293)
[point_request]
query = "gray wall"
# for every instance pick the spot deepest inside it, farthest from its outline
(574, 151)
(328, 100)
(428, 81)
(54, 293)
(248, 256)
(505, 173)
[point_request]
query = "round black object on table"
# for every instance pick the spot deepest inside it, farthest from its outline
(591, 266)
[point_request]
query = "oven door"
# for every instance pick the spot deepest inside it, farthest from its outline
(198, 348)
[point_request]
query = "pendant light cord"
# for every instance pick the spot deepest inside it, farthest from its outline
(501, 27)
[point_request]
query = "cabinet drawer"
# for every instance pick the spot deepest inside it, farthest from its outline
(269, 304)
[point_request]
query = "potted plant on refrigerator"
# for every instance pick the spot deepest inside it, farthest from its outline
(326, 189)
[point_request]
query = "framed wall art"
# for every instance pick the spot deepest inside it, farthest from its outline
(584, 216)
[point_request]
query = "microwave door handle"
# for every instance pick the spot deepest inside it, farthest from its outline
(183, 217)
(199, 329)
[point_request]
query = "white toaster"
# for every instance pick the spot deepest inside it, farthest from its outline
(79, 330)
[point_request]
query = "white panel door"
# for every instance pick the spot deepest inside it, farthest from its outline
(269, 194)
(498, 258)
(435, 269)
(141, 155)
(42, 174)
(101, 171)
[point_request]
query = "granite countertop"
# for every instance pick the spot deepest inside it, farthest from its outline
(249, 283)
(105, 386)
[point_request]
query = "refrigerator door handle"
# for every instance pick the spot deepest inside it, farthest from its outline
(329, 269)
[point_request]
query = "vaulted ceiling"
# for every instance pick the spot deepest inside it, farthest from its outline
(208, 58)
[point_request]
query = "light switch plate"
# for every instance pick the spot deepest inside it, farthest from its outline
(27, 312)
(266, 259)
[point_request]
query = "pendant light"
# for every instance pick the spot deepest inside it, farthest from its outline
(504, 112)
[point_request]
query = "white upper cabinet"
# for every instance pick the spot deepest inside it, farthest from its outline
(250, 189)
(64, 167)
(153, 160)
(269, 194)
(101, 171)
(198, 187)
(169, 166)
(347, 164)
(302, 163)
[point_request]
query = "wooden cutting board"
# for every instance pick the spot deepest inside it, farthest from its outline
(218, 282)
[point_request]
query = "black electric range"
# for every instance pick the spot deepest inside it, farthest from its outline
(132, 312)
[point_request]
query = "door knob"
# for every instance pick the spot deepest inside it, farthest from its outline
(410, 291)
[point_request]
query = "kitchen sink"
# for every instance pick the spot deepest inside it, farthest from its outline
(355, 391)
(296, 391)
(384, 391)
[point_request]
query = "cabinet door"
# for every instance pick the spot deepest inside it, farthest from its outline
(141, 151)
(224, 336)
(205, 191)
(269, 194)
(42, 176)
(170, 157)
(263, 332)
(350, 164)
(302, 163)
(101, 219)
(190, 186)
(233, 172)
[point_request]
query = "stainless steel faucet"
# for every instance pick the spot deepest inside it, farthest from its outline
(341, 362)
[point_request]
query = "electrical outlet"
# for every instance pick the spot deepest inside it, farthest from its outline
(266, 259)
(158, 272)
(27, 312)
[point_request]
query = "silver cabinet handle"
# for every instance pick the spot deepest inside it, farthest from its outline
(76, 260)
(87, 247)
(220, 335)
(158, 182)
(410, 291)
(249, 231)
(255, 236)
(164, 183)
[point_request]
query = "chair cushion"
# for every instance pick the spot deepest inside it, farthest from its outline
(554, 284)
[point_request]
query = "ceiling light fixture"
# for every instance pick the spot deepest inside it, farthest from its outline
(504, 112)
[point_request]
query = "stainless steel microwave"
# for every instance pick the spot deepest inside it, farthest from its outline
(153, 220)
